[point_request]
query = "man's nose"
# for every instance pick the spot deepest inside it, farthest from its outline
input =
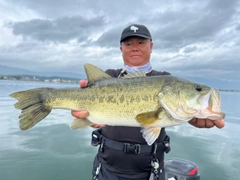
(135, 47)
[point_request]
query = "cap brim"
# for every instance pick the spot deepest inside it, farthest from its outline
(138, 35)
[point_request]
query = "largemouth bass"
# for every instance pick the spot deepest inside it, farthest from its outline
(134, 100)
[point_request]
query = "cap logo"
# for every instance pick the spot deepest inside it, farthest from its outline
(134, 28)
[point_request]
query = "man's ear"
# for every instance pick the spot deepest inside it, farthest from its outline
(151, 47)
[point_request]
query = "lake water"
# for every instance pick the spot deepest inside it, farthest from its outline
(51, 151)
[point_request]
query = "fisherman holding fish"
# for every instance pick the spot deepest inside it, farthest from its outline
(123, 152)
(130, 107)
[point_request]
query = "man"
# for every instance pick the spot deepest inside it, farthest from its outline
(124, 153)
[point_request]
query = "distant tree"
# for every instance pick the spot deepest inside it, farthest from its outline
(17, 77)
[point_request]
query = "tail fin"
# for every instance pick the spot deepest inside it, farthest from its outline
(31, 104)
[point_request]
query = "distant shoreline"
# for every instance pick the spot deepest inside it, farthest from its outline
(54, 79)
(61, 80)
(229, 90)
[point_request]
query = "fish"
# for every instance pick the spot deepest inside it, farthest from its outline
(136, 100)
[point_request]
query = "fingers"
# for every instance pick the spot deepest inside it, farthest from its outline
(83, 83)
(219, 123)
(200, 123)
(207, 123)
(97, 125)
(80, 114)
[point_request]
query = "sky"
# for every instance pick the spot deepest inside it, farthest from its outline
(192, 38)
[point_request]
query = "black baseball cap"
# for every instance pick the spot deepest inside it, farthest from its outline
(136, 30)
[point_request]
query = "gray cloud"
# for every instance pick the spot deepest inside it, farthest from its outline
(190, 49)
(110, 38)
(61, 29)
(238, 27)
(114, 10)
(177, 29)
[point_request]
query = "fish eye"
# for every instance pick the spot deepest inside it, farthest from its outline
(198, 87)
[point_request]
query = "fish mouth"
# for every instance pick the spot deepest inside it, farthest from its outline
(213, 110)
(210, 106)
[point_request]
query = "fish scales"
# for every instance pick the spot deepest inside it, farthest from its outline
(110, 100)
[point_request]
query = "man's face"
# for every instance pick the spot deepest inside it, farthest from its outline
(136, 51)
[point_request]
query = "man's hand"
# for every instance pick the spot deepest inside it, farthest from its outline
(83, 83)
(207, 123)
(81, 114)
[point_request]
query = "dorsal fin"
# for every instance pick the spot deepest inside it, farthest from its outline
(94, 73)
(134, 74)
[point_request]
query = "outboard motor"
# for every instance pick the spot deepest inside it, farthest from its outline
(179, 169)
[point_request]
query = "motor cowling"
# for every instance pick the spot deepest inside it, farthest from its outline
(180, 169)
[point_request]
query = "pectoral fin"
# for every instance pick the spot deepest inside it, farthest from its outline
(148, 118)
(150, 134)
(80, 123)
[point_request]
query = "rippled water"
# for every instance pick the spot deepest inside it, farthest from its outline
(51, 150)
